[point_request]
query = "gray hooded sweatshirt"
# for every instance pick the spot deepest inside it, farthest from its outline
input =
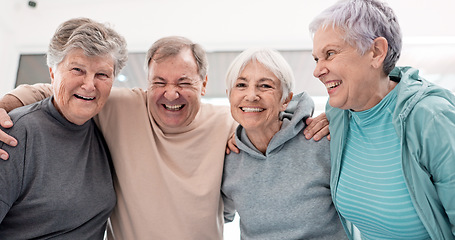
(284, 194)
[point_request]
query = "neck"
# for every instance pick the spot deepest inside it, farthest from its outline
(260, 137)
(376, 95)
(387, 86)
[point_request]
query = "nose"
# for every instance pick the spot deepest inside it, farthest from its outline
(171, 92)
(251, 94)
(320, 70)
(89, 83)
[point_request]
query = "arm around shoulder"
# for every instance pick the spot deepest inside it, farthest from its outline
(10, 102)
(28, 94)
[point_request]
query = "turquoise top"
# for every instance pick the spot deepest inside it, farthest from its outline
(424, 121)
(372, 192)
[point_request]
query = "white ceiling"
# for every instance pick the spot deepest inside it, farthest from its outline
(214, 23)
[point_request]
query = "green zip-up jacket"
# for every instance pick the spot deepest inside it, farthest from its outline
(424, 119)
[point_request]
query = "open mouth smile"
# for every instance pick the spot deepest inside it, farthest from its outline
(173, 107)
(84, 98)
(332, 85)
(250, 109)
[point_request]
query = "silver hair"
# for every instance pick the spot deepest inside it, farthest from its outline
(362, 21)
(271, 59)
(171, 46)
(94, 38)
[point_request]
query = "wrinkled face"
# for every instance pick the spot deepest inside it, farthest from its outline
(350, 79)
(175, 90)
(81, 85)
(256, 98)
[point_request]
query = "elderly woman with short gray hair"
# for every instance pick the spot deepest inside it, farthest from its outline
(392, 132)
(279, 182)
(57, 182)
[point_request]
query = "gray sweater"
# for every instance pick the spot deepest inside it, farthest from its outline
(57, 183)
(285, 193)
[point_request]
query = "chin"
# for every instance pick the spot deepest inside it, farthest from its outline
(336, 104)
(168, 123)
(333, 103)
(171, 125)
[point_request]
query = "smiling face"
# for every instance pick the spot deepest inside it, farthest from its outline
(256, 99)
(352, 80)
(81, 85)
(175, 90)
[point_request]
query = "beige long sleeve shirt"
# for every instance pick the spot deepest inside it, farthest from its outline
(167, 182)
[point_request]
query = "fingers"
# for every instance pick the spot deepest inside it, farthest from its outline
(308, 122)
(3, 155)
(231, 145)
(321, 133)
(317, 127)
(7, 139)
(5, 121)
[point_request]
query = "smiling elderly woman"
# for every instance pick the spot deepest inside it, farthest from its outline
(58, 183)
(279, 182)
(393, 133)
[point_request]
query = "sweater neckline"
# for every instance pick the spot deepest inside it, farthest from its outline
(50, 109)
(386, 105)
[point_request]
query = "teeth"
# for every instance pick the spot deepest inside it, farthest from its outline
(85, 98)
(173, 107)
(332, 84)
(246, 109)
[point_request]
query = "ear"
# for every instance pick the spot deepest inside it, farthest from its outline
(51, 73)
(286, 101)
(204, 86)
(380, 48)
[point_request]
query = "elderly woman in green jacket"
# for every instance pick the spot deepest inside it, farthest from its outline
(392, 132)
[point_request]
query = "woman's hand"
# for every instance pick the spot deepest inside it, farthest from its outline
(317, 128)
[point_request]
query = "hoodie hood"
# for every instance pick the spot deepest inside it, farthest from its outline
(299, 109)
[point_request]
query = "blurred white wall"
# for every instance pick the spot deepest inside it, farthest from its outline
(217, 25)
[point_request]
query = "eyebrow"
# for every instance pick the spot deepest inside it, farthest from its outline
(157, 77)
(184, 78)
(324, 49)
(76, 63)
(264, 79)
(101, 69)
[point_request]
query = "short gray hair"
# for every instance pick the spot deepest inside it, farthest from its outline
(92, 37)
(362, 21)
(271, 59)
(171, 46)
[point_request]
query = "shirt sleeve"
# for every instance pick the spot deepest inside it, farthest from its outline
(29, 94)
(436, 138)
(441, 151)
(229, 209)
